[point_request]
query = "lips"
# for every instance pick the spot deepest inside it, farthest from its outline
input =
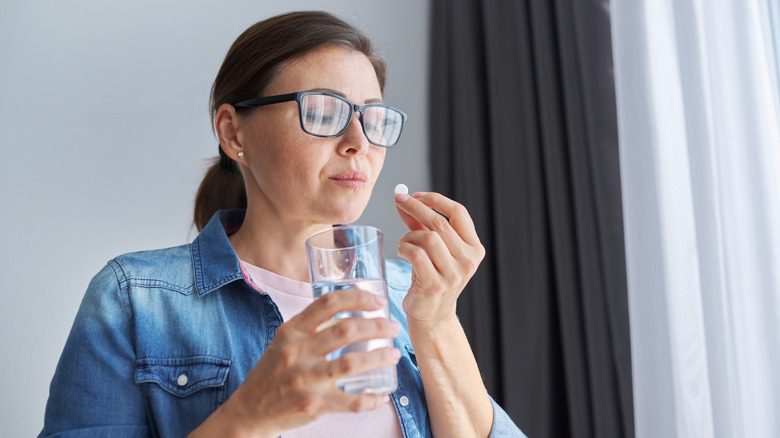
(350, 178)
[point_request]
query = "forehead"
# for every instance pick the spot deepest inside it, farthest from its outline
(346, 71)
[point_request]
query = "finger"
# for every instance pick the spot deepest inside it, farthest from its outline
(459, 218)
(423, 269)
(411, 223)
(434, 250)
(342, 332)
(469, 255)
(346, 300)
(359, 362)
(430, 219)
(342, 402)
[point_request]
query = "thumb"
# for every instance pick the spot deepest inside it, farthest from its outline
(411, 223)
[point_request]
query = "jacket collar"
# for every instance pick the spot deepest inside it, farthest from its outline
(213, 258)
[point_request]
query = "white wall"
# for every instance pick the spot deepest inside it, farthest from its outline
(105, 134)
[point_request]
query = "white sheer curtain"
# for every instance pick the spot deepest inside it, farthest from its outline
(698, 119)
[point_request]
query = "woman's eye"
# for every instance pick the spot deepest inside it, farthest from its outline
(371, 127)
(319, 118)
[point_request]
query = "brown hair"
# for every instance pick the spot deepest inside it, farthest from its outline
(250, 65)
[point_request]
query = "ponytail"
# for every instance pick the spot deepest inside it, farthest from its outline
(221, 188)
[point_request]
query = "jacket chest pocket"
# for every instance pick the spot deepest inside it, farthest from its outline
(182, 391)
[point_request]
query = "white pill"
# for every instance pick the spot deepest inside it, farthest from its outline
(401, 188)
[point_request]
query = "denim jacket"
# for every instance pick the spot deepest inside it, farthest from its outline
(164, 337)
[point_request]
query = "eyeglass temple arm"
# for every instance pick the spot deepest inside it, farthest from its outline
(260, 101)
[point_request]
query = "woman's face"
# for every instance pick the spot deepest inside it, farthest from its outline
(300, 177)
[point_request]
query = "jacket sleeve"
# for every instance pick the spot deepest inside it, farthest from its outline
(503, 426)
(93, 391)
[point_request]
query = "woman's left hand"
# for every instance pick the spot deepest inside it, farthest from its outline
(444, 254)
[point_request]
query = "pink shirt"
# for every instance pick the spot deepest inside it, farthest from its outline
(291, 297)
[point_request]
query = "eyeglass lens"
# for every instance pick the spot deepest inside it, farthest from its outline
(326, 115)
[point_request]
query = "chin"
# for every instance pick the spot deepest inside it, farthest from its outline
(341, 210)
(346, 220)
(348, 215)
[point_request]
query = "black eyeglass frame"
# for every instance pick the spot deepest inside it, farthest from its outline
(298, 97)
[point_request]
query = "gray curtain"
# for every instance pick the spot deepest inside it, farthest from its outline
(524, 134)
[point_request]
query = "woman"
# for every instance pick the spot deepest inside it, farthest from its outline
(220, 337)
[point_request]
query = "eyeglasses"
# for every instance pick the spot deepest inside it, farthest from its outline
(328, 115)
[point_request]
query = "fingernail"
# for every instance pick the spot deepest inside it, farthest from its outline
(396, 354)
(396, 326)
(420, 194)
(385, 399)
(401, 197)
(380, 300)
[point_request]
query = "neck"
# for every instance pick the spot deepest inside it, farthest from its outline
(276, 245)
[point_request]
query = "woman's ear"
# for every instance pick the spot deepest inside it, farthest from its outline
(227, 124)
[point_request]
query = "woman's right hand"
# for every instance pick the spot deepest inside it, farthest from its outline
(294, 384)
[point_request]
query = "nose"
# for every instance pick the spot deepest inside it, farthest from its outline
(354, 141)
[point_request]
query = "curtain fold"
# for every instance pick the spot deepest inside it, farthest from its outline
(523, 133)
(698, 127)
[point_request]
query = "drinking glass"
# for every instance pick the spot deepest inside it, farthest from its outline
(351, 257)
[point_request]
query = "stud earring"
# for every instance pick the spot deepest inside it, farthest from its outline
(240, 155)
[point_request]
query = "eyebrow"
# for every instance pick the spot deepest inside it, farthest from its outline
(339, 93)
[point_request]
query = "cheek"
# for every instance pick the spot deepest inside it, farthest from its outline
(295, 172)
(378, 161)
(280, 154)
(285, 171)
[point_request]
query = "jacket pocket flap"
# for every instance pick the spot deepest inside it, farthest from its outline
(183, 376)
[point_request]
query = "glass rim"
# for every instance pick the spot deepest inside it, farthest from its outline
(377, 235)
